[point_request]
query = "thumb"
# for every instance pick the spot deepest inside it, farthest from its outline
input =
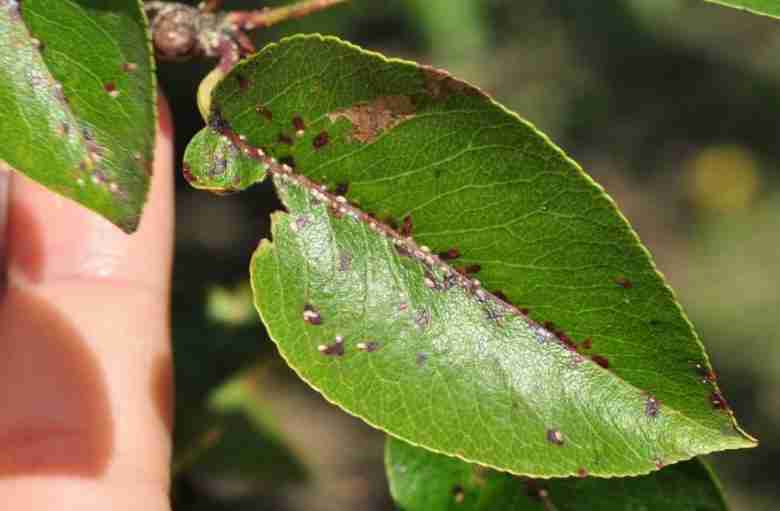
(85, 366)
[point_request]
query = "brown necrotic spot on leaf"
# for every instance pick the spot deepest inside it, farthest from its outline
(602, 361)
(369, 120)
(321, 140)
(129, 67)
(440, 85)
(624, 282)
(298, 123)
(285, 139)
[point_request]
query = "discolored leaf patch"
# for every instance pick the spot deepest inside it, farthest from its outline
(370, 119)
(77, 98)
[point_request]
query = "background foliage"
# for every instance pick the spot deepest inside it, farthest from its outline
(671, 105)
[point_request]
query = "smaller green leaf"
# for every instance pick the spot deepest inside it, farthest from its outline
(763, 7)
(212, 162)
(77, 101)
(237, 439)
(421, 480)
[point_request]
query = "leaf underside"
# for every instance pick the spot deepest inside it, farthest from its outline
(77, 99)
(424, 481)
(764, 7)
(582, 360)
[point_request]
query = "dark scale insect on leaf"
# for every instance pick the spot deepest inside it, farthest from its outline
(652, 407)
(368, 347)
(341, 189)
(321, 140)
(554, 436)
(298, 123)
(311, 315)
(450, 254)
(718, 401)
(406, 227)
(260, 109)
(335, 349)
(458, 494)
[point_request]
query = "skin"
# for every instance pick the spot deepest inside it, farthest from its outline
(85, 360)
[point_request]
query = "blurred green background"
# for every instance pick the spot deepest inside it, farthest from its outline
(672, 105)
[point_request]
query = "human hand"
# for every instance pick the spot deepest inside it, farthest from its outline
(85, 361)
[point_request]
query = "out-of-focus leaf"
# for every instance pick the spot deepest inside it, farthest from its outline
(765, 7)
(421, 480)
(603, 373)
(77, 101)
(240, 440)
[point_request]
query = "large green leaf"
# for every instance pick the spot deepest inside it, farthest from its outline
(603, 373)
(765, 7)
(424, 481)
(77, 100)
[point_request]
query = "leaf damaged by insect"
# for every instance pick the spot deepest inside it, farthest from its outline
(372, 118)
(479, 341)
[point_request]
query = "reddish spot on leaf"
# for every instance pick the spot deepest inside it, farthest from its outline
(718, 401)
(450, 254)
(501, 296)
(406, 227)
(624, 282)
(129, 67)
(525, 311)
(587, 344)
(472, 269)
(243, 82)
(110, 87)
(298, 123)
(582, 473)
(321, 140)
(602, 361)
(659, 464)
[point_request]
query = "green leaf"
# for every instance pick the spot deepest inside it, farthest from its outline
(77, 99)
(765, 7)
(604, 373)
(424, 481)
